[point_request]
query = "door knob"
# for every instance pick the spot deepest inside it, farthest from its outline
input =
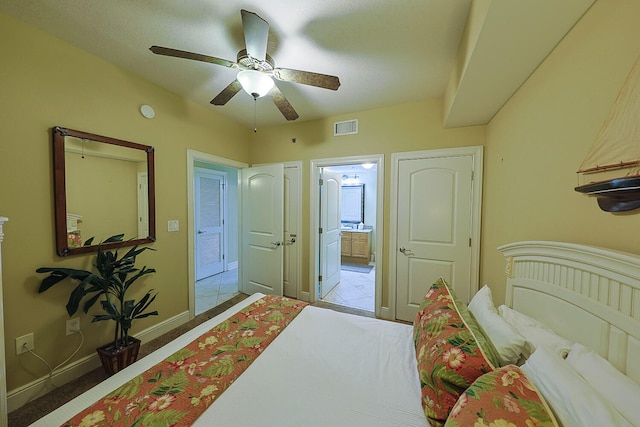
(405, 251)
(291, 241)
(276, 244)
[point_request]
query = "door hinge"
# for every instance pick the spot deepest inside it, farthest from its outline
(469, 241)
(473, 174)
(320, 181)
(320, 278)
(320, 230)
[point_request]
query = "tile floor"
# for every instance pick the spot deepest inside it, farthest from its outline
(356, 290)
(215, 290)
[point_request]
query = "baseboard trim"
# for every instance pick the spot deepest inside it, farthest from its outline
(304, 296)
(20, 396)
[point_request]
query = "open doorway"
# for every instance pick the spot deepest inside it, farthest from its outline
(213, 212)
(216, 234)
(359, 225)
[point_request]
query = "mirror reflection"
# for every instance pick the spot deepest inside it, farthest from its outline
(353, 203)
(104, 187)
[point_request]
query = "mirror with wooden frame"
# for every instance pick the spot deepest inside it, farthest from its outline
(102, 187)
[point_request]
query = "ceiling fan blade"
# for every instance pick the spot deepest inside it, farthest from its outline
(227, 93)
(324, 81)
(283, 105)
(159, 50)
(256, 34)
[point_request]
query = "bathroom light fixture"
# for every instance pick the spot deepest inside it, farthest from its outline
(347, 180)
(255, 83)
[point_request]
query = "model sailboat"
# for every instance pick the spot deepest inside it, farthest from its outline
(612, 166)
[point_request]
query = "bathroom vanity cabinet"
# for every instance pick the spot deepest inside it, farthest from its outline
(355, 246)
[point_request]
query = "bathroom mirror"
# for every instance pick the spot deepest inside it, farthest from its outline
(353, 203)
(102, 187)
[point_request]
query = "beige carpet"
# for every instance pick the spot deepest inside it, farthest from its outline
(36, 409)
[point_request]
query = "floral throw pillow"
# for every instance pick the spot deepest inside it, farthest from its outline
(504, 397)
(448, 351)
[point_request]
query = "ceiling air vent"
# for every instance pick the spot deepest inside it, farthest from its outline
(347, 127)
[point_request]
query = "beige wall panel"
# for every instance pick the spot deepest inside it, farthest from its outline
(45, 82)
(538, 140)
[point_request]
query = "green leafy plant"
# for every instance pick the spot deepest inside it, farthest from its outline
(113, 278)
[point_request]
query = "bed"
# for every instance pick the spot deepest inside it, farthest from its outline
(564, 285)
(335, 369)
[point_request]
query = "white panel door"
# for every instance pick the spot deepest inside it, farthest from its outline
(433, 229)
(330, 200)
(209, 222)
(262, 229)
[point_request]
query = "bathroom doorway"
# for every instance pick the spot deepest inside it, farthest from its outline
(359, 221)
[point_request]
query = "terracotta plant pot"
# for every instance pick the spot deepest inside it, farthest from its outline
(114, 361)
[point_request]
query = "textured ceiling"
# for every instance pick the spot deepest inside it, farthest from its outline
(384, 52)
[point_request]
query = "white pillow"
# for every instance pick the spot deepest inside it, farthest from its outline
(505, 338)
(572, 400)
(617, 389)
(535, 333)
(516, 318)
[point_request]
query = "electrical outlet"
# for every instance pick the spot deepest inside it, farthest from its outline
(24, 344)
(73, 325)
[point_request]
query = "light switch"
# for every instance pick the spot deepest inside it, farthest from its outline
(173, 225)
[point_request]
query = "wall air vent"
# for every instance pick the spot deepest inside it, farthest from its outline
(347, 127)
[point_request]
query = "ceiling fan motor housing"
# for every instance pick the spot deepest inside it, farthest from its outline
(245, 60)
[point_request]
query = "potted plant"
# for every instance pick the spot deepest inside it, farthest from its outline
(109, 283)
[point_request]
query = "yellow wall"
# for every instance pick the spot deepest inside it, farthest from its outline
(45, 82)
(532, 149)
(407, 127)
(538, 140)
(533, 146)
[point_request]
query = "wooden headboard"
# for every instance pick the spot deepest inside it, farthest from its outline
(586, 294)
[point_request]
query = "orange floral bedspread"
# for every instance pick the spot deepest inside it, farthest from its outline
(177, 390)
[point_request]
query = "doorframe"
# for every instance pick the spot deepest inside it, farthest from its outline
(476, 152)
(314, 223)
(192, 157)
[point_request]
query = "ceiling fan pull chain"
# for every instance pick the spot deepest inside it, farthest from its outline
(255, 103)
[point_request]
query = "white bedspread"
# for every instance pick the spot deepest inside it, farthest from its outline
(325, 369)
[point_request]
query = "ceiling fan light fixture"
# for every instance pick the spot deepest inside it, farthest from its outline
(255, 83)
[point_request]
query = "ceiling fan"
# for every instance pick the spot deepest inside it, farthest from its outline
(257, 68)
